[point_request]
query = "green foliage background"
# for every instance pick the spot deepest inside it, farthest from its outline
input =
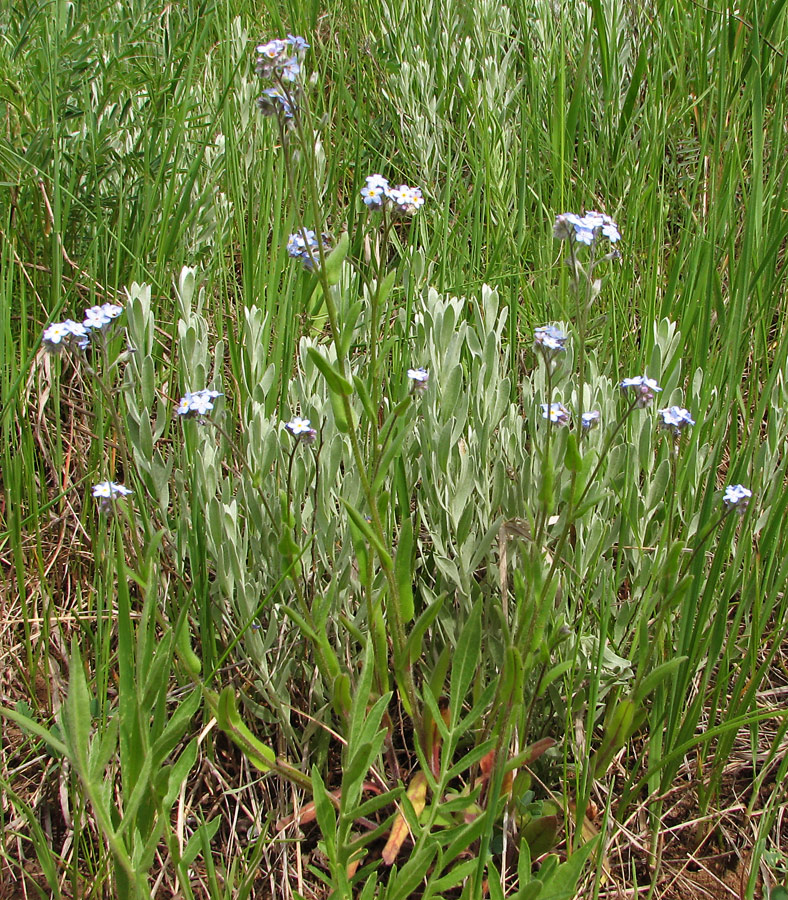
(134, 164)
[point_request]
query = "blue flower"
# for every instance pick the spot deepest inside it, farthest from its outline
(55, 336)
(303, 245)
(301, 429)
(585, 229)
(107, 492)
(736, 498)
(290, 69)
(556, 413)
(196, 404)
(272, 50)
(65, 334)
(644, 388)
(297, 43)
(272, 102)
(405, 200)
(98, 317)
(419, 379)
(589, 420)
(280, 58)
(549, 340)
(375, 191)
(676, 418)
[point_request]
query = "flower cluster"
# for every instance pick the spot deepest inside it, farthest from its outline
(303, 245)
(279, 60)
(77, 334)
(404, 200)
(419, 379)
(107, 492)
(272, 102)
(586, 229)
(196, 404)
(643, 387)
(736, 498)
(549, 341)
(676, 419)
(556, 413)
(589, 420)
(302, 430)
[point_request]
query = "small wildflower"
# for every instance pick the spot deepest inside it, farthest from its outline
(195, 404)
(96, 318)
(301, 429)
(585, 229)
(420, 379)
(297, 43)
(67, 333)
(736, 498)
(272, 102)
(556, 413)
(607, 227)
(406, 200)
(111, 310)
(589, 420)
(291, 69)
(280, 58)
(549, 340)
(676, 419)
(106, 492)
(375, 191)
(55, 336)
(272, 50)
(303, 245)
(644, 388)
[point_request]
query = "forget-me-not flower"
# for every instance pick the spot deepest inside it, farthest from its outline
(643, 387)
(549, 340)
(303, 245)
(406, 200)
(196, 404)
(419, 379)
(676, 419)
(301, 429)
(585, 229)
(556, 413)
(106, 492)
(589, 420)
(736, 498)
(62, 334)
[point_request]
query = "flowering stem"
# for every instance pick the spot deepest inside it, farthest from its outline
(574, 507)
(393, 607)
(374, 317)
(121, 443)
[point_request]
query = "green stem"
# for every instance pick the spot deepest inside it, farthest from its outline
(393, 607)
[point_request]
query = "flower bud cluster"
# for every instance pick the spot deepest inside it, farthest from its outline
(643, 387)
(195, 404)
(303, 245)
(404, 200)
(587, 229)
(69, 333)
(279, 60)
